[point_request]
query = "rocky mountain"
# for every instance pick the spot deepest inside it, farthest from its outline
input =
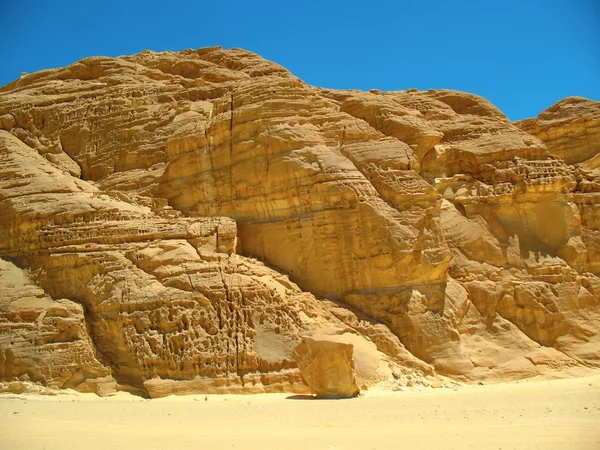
(177, 222)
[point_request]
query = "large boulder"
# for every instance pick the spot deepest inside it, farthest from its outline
(327, 367)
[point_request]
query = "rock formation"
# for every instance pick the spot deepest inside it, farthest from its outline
(175, 222)
(327, 367)
(570, 129)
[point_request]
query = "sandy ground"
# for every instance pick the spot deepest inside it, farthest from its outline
(558, 414)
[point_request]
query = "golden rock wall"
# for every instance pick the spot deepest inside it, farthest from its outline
(192, 215)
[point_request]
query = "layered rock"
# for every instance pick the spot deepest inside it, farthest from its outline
(570, 129)
(169, 306)
(153, 189)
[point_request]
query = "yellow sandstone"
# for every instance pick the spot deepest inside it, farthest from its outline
(176, 222)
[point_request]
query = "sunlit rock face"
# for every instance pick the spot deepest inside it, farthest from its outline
(327, 367)
(571, 130)
(178, 221)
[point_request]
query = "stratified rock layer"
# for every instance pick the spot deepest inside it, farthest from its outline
(180, 211)
(570, 129)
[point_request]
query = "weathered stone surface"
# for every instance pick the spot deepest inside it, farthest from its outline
(570, 129)
(193, 204)
(327, 367)
(170, 307)
(46, 341)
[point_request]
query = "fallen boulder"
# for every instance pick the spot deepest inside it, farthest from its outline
(327, 367)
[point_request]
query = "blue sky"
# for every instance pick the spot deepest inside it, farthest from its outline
(522, 55)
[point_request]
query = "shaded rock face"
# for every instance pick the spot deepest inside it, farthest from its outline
(327, 367)
(44, 340)
(195, 213)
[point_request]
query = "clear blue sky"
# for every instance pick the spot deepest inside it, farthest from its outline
(523, 55)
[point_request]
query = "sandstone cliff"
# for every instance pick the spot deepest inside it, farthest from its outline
(176, 222)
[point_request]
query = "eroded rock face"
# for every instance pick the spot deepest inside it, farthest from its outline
(570, 129)
(44, 340)
(189, 206)
(327, 367)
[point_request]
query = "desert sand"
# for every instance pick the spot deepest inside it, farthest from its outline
(532, 414)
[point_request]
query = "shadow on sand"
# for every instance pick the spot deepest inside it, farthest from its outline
(311, 397)
(301, 397)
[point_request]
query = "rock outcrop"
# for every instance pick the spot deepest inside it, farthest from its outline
(327, 367)
(570, 129)
(189, 216)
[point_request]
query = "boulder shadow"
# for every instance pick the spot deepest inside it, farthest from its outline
(302, 397)
(314, 397)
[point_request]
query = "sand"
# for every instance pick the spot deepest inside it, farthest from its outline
(557, 414)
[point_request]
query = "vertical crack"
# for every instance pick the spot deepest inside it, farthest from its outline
(234, 359)
(231, 151)
(228, 368)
